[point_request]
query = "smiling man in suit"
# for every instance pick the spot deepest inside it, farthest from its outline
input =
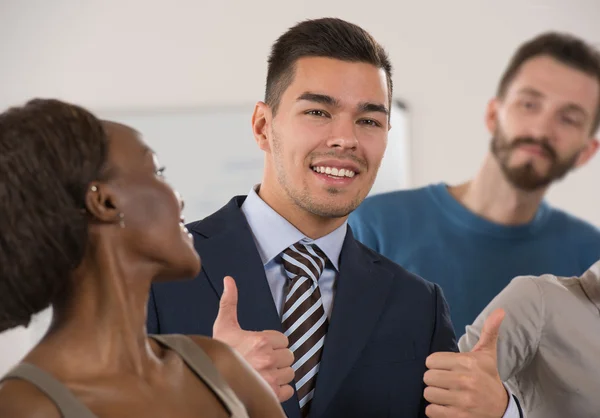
(360, 327)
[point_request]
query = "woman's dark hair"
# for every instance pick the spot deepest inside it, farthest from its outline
(50, 151)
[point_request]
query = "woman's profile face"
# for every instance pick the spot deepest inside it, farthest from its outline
(152, 219)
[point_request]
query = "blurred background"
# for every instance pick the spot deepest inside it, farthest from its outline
(134, 57)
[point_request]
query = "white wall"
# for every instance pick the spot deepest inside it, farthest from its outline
(448, 55)
(16, 342)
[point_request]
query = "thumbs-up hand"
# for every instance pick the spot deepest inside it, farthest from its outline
(467, 384)
(266, 351)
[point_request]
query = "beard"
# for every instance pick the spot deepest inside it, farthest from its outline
(525, 177)
(336, 204)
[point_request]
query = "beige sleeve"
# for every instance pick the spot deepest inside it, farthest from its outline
(520, 332)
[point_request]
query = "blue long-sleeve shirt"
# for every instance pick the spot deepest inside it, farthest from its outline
(431, 234)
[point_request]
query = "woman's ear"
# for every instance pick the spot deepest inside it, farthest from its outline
(100, 203)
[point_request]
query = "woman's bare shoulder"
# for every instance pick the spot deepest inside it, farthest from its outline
(21, 399)
(248, 385)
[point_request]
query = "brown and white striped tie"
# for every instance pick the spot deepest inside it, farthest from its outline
(304, 320)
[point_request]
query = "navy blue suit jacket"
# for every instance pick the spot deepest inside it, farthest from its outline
(384, 323)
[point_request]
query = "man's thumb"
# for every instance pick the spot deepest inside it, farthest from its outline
(490, 331)
(227, 316)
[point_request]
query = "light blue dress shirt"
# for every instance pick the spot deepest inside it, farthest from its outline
(272, 234)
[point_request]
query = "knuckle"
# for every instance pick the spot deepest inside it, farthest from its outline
(432, 411)
(429, 360)
(285, 393)
(269, 362)
(289, 374)
(273, 333)
(468, 401)
(287, 358)
(253, 361)
(265, 363)
(467, 362)
(284, 339)
(261, 341)
(428, 376)
(467, 382)
(427, 393)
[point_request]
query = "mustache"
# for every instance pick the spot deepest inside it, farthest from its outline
(341, 156)
(543, 143)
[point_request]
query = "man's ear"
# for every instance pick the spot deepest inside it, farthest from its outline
(491, 115)
(261, 124)
(101, 203)
(588, 152)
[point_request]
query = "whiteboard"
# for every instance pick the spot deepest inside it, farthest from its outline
(395, 169)
(211, 155)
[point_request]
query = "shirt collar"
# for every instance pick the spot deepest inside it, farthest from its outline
(273, 233)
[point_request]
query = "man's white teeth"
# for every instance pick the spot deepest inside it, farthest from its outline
(332, 171)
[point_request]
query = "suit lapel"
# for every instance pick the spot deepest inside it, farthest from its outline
(361, 291)
(229, 250)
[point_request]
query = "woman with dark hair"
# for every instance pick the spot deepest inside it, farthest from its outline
(87, 222)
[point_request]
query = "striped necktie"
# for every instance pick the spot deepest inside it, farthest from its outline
(304, 320)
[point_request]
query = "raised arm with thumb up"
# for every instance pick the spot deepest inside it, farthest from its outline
(468, 384)
(266, 351)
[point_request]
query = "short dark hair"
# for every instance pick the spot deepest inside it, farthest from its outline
(326, 37)
(50, 152)
(564, 48)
